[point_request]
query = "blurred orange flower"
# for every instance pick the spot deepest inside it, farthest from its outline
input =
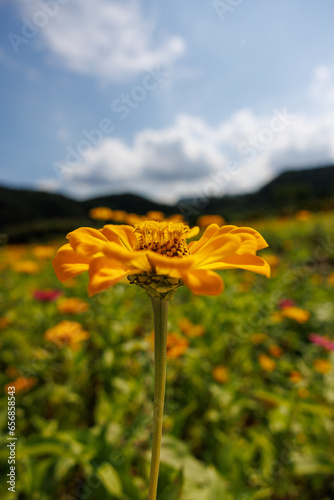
(160, 249)
(44, 251)
(258, 338)
(133, 219)
(25, 267)
(13, 253)
(101, 213)
(303, 215)
(155, 215)
(322, 366)
(22, 384)
(176, 345)
(295, 313)
(267, 363)
(331, 279)
(119, 215)
(67, 333)
(176, 218)
(206, 220)
(4, 322)
(11, 371)
(295, 377)
(220, 374)
(273, 260)
(303, 392)
(189, 329)
(275, 350)
(72, 305)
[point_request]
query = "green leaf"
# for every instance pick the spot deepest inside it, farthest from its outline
(110, 479)
(173, 491)
(50, 446)
(305, 467)
(217, 486)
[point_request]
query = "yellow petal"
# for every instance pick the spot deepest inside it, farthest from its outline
(261, 242)
(163, 264)
(194, 246)
(86, 240)
(104, 273)
(248, 243)
(216, 248)
(192, 232)
(248, 262)
(67, 263)
(121, 234)
(202, 282)
(134, 258)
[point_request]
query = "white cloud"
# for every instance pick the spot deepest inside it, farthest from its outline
(322, 85)
(110, 40)
(182, 159)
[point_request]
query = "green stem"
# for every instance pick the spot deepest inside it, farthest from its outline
(160, 314)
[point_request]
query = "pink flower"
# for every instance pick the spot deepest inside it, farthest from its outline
(286, 303)
(47, 295)
(322, 341)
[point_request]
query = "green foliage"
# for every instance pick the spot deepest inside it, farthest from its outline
(84, 426)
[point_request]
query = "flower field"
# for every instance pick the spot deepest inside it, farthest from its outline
(249, 411)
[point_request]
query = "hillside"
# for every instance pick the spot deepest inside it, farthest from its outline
(309, 189)
(27, 215)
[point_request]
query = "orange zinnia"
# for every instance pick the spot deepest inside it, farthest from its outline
(153, 249)
(296, 313)
(22, 384)
(72, 305)
(101, 213)
(66, 333)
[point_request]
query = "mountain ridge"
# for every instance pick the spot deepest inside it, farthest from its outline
(26, 214)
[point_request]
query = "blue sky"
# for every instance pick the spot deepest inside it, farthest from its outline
(165, 100)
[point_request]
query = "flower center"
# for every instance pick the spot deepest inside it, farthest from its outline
(166, 238)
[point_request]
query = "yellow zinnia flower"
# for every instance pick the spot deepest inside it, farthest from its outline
(258, 338)
(101, 213)
(155, 215)
(26, 267)
(303, 215)
(331, 279)
(4, 322)
(206, 220)
(153, 250)
(275, 350)
(66, 333)
(303, 393)
(43, 251)
(72, 305)
(267, 363)
(176, 344)
(22, 384)
(322, 366)
(296, 313)
(220, 374)
(295, 376)
(189, 329)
